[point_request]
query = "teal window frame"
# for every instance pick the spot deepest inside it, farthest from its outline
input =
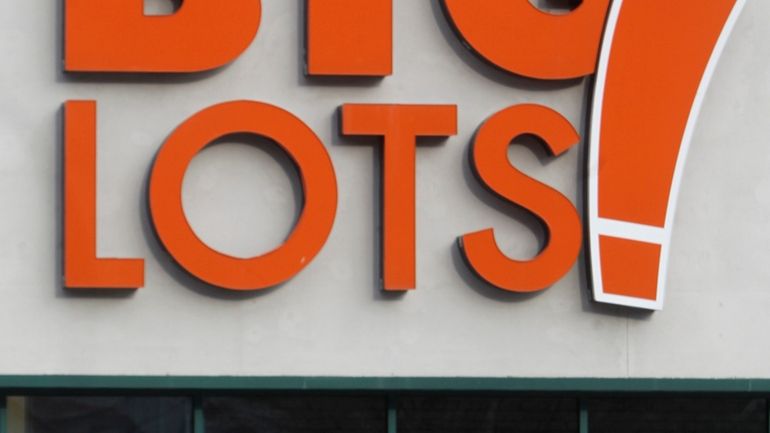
(197, 387)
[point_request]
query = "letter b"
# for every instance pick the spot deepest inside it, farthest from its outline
(116, 36)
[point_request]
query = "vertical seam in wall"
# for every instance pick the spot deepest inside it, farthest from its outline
(628, 347)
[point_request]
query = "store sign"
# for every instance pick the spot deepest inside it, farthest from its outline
(654, 57)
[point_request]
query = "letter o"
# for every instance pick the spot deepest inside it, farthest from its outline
(318, 182)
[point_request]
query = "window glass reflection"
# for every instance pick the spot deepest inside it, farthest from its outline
(99, 415)
(680, 415)
(296, 414)
(477, 414)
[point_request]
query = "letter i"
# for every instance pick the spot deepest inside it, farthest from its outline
(350, 37)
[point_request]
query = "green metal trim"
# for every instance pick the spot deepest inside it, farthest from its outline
(193, 384)
(392, 414)
(199, 422)
(583, 421)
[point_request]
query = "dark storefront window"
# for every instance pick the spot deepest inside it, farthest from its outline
(296, 414)
(388, 412)
(678, 415)
(462, 414)
(100, 415)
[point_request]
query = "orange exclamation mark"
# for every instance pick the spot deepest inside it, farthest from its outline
(656, 62)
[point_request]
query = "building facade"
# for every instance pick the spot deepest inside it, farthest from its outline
(328, 348)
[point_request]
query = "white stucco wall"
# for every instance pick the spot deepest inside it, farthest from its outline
(332, 319)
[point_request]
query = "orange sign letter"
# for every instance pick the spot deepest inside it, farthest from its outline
(350, 37)
(318, 182)
(116, 36)
(519, 38)
(400, 125)
(656, 63)
(82, 269)
(554, 209)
